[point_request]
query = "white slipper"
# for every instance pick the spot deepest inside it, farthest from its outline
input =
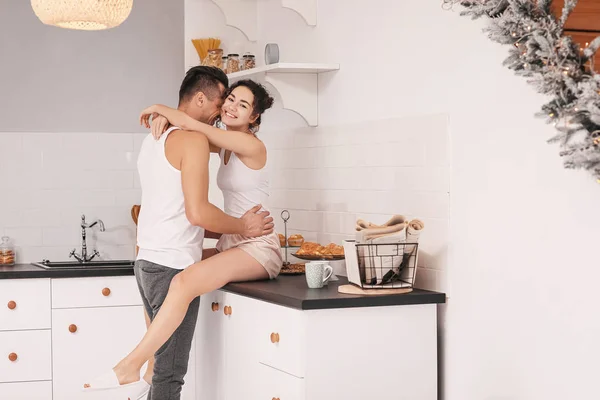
(139, 392)
(108, 381)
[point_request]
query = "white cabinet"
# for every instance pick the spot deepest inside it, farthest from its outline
(240, 338)
(57, 333)
(24, 304)
(276, 384)
(25, 356)
(210, 346)
(282, 338)
(26, 391)
(90, 341)
(106, 291)
(252, 349)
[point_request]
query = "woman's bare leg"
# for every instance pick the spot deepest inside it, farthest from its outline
(150, 370)
(203, 277)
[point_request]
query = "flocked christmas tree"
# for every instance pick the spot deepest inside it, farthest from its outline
(556, 65)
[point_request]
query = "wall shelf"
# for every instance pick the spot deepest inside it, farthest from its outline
(243, 14)
(296, 83)
(306, 8)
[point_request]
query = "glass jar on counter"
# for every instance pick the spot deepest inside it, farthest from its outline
(214, 58)
(249, 61)
(7, 252)
(233, 63)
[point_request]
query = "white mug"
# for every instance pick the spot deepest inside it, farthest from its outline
(317, 273)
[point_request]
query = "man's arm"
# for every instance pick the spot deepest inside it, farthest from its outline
(199, 211)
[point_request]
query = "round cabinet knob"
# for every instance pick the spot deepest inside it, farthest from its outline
(12, 305)
(276, 398)
(72, 328)
(227, 310)
(274, 337)
(215, 306)
(13, 357)
(106, 292)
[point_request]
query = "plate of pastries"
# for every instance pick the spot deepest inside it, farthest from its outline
(293, 269)
(316, 251)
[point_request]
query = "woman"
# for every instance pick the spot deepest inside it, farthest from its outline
(243, 180)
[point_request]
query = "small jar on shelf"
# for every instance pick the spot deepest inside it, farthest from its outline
(233, 63)
(7, 252)
(214, 58)
(224, 63)
(249, 61)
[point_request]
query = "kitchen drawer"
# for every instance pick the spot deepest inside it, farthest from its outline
(26, 391)
(282, 338)
(24, 304)
(278, 385)
(95, 292)
(25, 356)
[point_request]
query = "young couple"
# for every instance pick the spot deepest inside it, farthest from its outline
(175, 217)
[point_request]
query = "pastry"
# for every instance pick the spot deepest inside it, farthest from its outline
(293, 269)
(295, 240)
(335, 249)
(308, 249)
(315, 249)
(281, 240)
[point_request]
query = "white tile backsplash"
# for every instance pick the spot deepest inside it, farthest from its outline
(329, 176)
(50, 179)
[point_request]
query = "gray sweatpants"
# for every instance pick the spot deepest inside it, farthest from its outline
(173, 357)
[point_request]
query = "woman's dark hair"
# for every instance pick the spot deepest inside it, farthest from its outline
(262, 100)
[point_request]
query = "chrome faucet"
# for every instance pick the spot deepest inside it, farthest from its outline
(83, 258)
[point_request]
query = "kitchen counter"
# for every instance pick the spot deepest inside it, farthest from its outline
(288, 291)
(292, 291)
(28, 271)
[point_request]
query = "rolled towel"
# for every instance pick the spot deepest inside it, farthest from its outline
(373, 233)
(395, 220)
(413, 232)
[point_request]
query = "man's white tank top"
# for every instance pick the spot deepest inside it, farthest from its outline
(165, 235)
(242, 187)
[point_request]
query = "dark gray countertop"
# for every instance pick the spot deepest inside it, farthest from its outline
(25, 271)
(292, 291)
(288, 291)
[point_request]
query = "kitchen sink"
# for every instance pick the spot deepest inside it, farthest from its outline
(90, 264)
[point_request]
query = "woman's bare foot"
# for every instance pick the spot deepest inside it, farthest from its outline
(126, 374)
(148, 377)
(149, 371)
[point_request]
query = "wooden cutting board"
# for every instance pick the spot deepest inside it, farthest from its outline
(135, 213)
(352, 289)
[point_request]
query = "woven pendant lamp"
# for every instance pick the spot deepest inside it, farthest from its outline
(89, 15)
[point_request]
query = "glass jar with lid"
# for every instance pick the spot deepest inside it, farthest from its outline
(7, 252)
(224, 64)
(214, 58)
(233, 63)
(249, 61)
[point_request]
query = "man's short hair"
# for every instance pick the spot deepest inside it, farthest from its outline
(203, 79)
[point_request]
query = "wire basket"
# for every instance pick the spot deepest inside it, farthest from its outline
(381, 265)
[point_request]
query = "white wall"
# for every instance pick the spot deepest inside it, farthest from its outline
(50, 179)
(63, 80)
(520, 321)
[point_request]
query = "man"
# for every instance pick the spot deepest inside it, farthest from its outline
(175, 216)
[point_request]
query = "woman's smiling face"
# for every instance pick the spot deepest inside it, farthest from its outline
(237, 110)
